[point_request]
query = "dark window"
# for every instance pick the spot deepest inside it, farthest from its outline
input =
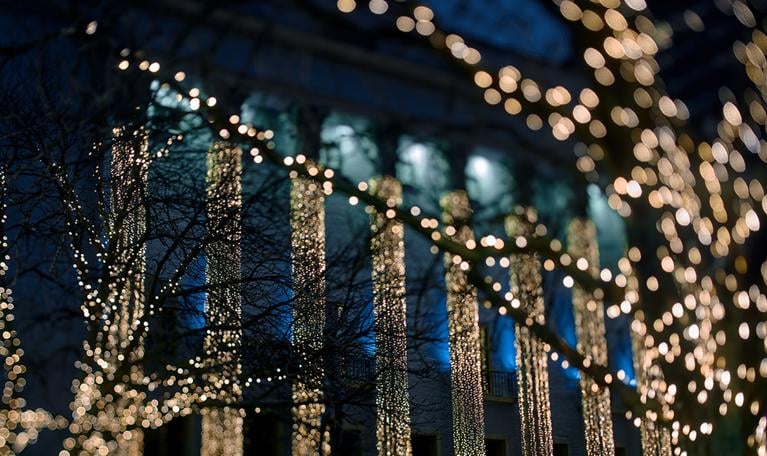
(425, 445)
(351, 442)
(561, 449)
(177, 438)
(620, 451)
(264, 435)
(495, 447)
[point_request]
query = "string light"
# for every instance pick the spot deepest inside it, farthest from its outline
(532, 360)
(129, 173)
(463, 327)
(590, 330)
(222, 428)
(760, 437)
(564, 259)
(638, 48)
(388, 251)
(656, 438)
(307, 221)
(222, 431)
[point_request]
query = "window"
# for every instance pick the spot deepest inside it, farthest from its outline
(265, 435)
(424, 167)
(180, 437)
(561, 449)
(425, 445)
(495, 447)
(349, 146)
(351, 442)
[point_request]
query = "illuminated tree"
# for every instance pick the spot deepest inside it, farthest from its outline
(21, 425)
(148, 234)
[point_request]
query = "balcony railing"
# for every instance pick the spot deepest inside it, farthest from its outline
(496, 384)
(500, 384)
(360, 368)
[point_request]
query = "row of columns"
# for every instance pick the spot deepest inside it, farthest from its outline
(222, 427)
(127, 229)
(387, 248)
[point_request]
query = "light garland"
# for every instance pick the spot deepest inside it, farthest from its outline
(532, 359)
(655, 437)
(222, 428)
(307, 221)
(590, 330)
(708, 310)
(387, 246)
(222, 431)
(129, 174)
(463, 326)
(760, 437)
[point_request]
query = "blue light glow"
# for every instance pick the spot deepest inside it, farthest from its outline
(562, 320)
(192, 314)
(504, 353)
(440, 348)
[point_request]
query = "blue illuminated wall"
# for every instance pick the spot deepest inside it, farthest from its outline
(611, 237)
(504, 353)
(423, 171)
(195, 302)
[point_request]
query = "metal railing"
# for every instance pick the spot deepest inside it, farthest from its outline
(500, 384)
(360, 368)
(495, 383)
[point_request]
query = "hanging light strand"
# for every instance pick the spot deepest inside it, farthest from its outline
(222, 431)
(656, 438)
(760, 437)
(125, 333)
(590, 330)
(388, 251)
(463, 326)
(222, 427)
(307, 221)
(532, 360)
